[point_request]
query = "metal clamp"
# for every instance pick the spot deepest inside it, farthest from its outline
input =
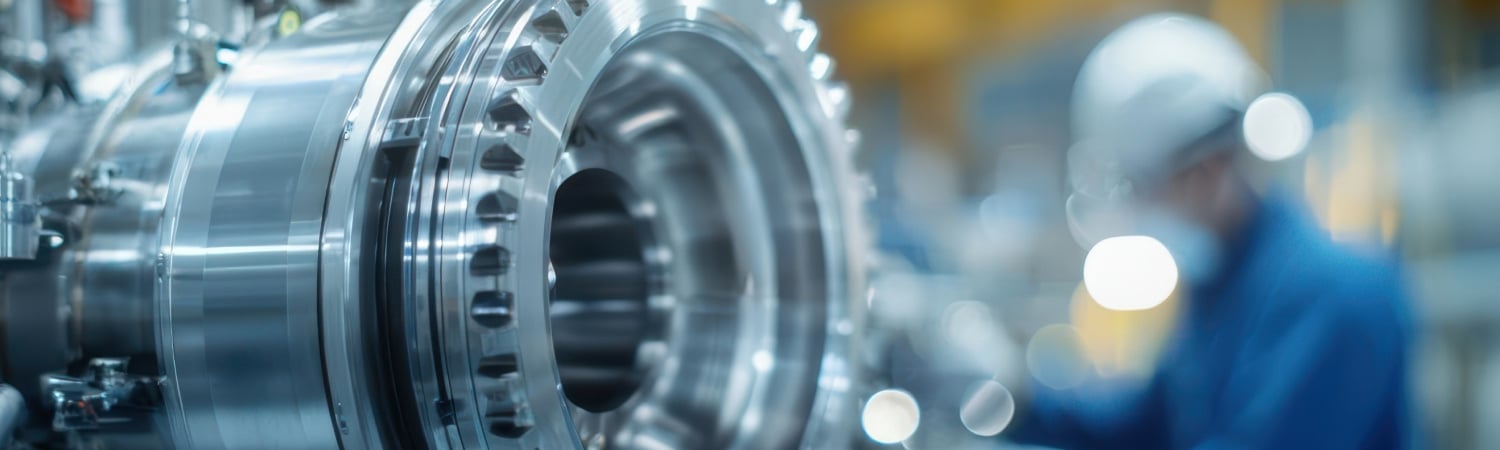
(96, 186)
(193, 55)
(85, 403)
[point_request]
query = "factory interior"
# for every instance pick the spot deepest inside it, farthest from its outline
(749, 224)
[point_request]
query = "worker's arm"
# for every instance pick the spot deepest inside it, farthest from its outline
(1315, 377)
(1092, 416)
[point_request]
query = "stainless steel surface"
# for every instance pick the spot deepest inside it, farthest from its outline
(239, 257)
(116, 255)
(28, 20)
(738, 329)
(20, 228)
(146, 24)
(195, 58)
(102, 174)
(509, 224)
(688, 247)
(33, 297)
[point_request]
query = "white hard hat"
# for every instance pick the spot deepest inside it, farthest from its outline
(1154, 97)
(1156, 85)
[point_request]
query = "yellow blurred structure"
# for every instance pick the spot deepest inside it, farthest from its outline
(1122, 343)
(925, 45)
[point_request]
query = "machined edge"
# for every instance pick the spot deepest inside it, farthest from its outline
(496, 202)
(343, 265)
(186, 251)
(517, 126)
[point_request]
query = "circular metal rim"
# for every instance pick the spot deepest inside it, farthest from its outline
(634, 310)
(343, 289)
(786, 41)
(763, 347)
(776, 29)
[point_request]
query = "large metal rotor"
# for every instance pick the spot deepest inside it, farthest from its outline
(526, 224)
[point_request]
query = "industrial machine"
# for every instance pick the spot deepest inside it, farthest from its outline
(515, 224)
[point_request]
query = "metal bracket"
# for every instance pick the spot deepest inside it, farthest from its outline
(405, 132)
(85, 403)
(92, 187)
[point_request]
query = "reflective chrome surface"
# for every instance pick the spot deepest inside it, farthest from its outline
(20, 228)
(102, 174)
(691, 268)
(238, 296)
(724, 319)
(126, 177)
(509, 224)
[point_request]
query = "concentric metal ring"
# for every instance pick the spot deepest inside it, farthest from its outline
(708, 140)
(536, 83)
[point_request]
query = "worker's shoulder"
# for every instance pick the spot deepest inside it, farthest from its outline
(1346, 283)
(1354, 270)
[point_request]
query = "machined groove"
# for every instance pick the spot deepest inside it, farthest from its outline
(502, 157)
(551, 26)
(498, 366)
(490, 260)
(508, 113)
(506, 413)
(404, 132)
(524, 65)
(511, 424)
(498, 206)
(493, 309)
(578, 6)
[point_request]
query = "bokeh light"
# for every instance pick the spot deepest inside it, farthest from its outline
(890, 416)
(1122, 344)
(987, 409)
(1277, 126)
(1129, 273)
(1054, 356)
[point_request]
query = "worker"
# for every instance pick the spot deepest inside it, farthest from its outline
(1285, 340)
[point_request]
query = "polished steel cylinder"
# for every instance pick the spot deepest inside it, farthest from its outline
(20, 228)
(500, 224)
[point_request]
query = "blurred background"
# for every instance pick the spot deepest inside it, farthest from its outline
(964, 110)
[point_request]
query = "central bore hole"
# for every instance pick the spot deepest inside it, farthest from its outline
(599, 314)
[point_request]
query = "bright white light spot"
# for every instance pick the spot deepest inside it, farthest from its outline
(1129, 273)
(227, 56)
(891, 416)
(762, 361)
(987, 409)
(1277, 126)
(821, 66)
(844, 327)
